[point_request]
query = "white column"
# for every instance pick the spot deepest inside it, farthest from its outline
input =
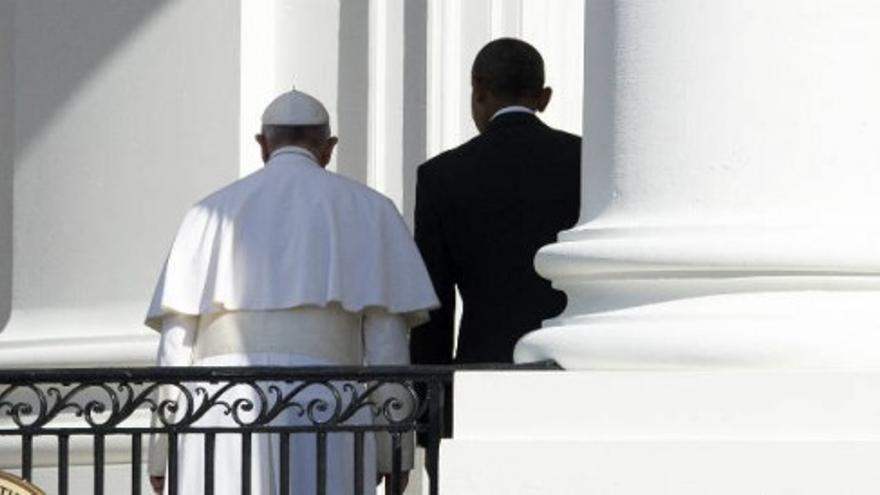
(553, 28)
(386, 116)
(731, 189)
(457, 29)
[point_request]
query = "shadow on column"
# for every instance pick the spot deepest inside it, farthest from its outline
(7, 138)
(353, 93)
(415, 99)
(600, 74)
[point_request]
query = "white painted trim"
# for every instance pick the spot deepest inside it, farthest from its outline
(78, 352)
(684, 433)
(105, 335)
(445, 71)
(378, 94)
(385, 131)
(506, 18)
(624, 406)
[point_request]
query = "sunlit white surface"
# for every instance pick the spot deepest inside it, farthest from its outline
(729, 190)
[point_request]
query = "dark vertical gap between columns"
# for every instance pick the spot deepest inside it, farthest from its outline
(415, 99)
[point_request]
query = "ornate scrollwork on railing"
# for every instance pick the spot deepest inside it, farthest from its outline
(37, 405)
(237, 398)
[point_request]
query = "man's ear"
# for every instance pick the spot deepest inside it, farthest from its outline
(479, 94)
(544, 99)
(264, 147)
(328, 150)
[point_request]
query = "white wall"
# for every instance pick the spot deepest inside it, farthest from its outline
(124, 115)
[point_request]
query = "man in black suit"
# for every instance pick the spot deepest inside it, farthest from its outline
(484, 209)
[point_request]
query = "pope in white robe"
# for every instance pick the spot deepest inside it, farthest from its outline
(290, 266)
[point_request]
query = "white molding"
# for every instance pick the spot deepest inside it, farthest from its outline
(79, 352)
(78, 337)
(734, 405)
(658, 467)
(506, 18)
(445, 72)
(683, 433)
(385, 132)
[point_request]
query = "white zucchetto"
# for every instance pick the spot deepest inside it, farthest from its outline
(295, 108)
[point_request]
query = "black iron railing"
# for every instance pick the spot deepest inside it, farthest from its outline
(105, 403)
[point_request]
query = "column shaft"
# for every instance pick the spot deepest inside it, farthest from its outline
(730, 189)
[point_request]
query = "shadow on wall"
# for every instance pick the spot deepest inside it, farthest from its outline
(28, 31)
(7, 119)
(79, 37)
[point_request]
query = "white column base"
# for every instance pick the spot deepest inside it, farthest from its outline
(708, 298)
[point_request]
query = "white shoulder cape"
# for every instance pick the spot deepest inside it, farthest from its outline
(293, 234)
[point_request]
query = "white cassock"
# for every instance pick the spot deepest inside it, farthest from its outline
(290, 266)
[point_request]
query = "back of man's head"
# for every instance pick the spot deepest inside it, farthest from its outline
(299, 135)
(509, 68)
(315, 138)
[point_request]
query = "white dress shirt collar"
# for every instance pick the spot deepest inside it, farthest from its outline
(293, 150)
(512, 109)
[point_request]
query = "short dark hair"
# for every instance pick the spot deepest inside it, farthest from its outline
(510, 68)
(278, 135)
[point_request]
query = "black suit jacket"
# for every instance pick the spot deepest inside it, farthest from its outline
(482, 212)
